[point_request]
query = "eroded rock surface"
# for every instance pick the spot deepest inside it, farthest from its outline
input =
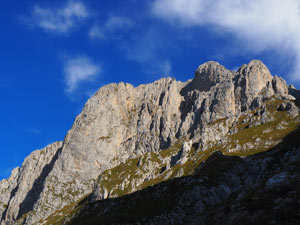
(121, 122)
(259, 189)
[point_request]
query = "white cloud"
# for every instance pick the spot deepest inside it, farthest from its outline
(157, 69)
(59, 21)
(259, 24)
(165, 68)
(113, 28)
(79, 70)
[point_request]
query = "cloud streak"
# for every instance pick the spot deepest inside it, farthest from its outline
(79, 70)
(59, 21)
(96, 32)
(145, 48)
(261, 25)
(113, 28)
(34, 131)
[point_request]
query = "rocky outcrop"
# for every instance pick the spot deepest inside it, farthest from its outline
(121, 122)
(251, 80)
(7, 190)
(22, 189)
(259, 189)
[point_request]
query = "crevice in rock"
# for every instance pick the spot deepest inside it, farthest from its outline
(12, 194)
(161, 98)
(37, 187)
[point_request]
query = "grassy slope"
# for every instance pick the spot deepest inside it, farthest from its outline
(162, 198)
(112, 179)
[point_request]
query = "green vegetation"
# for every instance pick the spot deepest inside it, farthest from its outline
(171, 150)
(112, 179)
(59, 217)
(251, 137)
(2, 204)
(104, 138)
(219, 121)
(186, 169)
(258, 136)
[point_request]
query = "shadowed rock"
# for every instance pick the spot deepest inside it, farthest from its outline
(121, 122)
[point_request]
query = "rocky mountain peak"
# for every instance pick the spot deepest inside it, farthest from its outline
(209, 74)
(123, 124)
(257, 75)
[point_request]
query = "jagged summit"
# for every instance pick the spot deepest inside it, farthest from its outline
(255, 63)
(122, 125)
(209, 74)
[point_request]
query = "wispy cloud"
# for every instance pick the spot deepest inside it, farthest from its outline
(34, 131)
(157, 69)
(118, 23)
(96, 32)
(114, 28)
(58, 21)
(79, 70)
(142, 47)
(146, 48)
(260, 25)
(165, 68)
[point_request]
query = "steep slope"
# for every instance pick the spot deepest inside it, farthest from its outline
(25, 183)
(158, 127)
(258, 189)
(249, 175)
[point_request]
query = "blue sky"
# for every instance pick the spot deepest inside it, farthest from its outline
(55, 54)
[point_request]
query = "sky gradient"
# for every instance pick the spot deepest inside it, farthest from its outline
(56, 54)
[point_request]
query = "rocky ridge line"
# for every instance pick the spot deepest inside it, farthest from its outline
(122, 122)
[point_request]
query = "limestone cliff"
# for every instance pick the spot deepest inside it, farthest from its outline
(122, 124)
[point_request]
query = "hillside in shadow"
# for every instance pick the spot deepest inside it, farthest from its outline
(260, 189)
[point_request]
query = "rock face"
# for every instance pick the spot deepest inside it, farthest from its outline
(121, 122)
(265, 193)
(21, 190)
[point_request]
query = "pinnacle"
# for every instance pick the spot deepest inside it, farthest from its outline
(209, 74)
(254, 64)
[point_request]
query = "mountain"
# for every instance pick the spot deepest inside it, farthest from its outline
(169, 152)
